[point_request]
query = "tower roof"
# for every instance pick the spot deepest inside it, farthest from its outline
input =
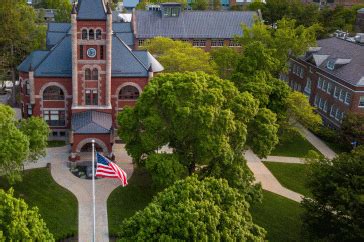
(91, 10)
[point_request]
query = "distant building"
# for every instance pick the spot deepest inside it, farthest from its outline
(334, 3)
(332, 77)
(130, 5)
(204, 29)
(359, 24)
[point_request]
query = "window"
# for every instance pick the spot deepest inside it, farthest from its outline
(98, 34)
(91, 97)
(81, 51)
(54, 117)
(101, 52)
(338, 115)
(167, 12)
(233, 43)
(330, 65)
(84, 34)
(301, 72)
(141, 42)
(53, 93)
(217, 42)
(27, 87)
(175, 12)
(324, 85)
(29, 110)
(347, 97)
(325, 106)
(316, 100)
(199, 43)
(319, 83)
(329, 88)
(336, 92)
(332, 111)
(129, 93)
(361, 101)
(87, 74)
(308, 86)
(342, 95)
(91, 34)
(95, 74)
(321, 104)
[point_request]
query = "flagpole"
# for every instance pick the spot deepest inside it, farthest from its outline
(93, 192)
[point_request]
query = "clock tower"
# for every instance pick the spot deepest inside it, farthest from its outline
(91, 55)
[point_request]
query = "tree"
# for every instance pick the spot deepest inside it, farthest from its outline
(19, 142)
(204, 119)
(19, 222)
(178, 56)
(200, 4)
(23, 34)
(335, 212)
(216, 4)
(226, 60)
(352, 128)
(194, 210)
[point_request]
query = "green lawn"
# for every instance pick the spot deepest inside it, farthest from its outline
(291, 176)
(56, 143)
(295, 145)
(125, 201)
(280, 217)
(57, 206)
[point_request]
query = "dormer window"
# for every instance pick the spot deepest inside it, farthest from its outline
(330, 65)
(171, 9)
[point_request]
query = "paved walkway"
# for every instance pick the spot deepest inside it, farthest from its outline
(82, 189)
(266, 178)
(315, 141)
(284, 159)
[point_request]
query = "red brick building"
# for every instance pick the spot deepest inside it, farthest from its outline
(87, 75)
(332, 77)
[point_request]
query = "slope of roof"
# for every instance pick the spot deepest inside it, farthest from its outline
(337, 49)
(121, 27)
(93, 122)
(91, 10)
(59, 27)
(130, 3)
(193, 24)
(127, 38)
(148, 60)
(53, 38)
(32, 60)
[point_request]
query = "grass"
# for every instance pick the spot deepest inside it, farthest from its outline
(291, 176)
(125, 201)
(294, 145)
(56, 143)
(279, 216)
(57, 206)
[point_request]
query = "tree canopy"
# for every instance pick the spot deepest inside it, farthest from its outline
(19, 222)
(226, 59)
(178, 56)
(335, 212)
(204, 119)
(352, 128)
(194, 210)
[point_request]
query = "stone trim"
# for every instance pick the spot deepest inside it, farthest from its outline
(89, 140)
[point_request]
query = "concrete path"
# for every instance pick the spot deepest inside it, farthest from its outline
(315, 141)
(266, 178)
(285, 159)
(82, 189)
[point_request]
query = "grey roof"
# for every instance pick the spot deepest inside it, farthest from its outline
(91, 122)
(127, 38)
(91, 10)
(53, 38)
(121, 27)
(59, 27)
(193, 24)
(33, 59)
(339, 51)
(148, 60)
(130, 3)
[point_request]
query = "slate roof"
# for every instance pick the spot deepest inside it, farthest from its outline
(338, 51)
(32, 60)
(193, 24)
(91, 10)
(148, 60)
(130, 3)
(91, 122)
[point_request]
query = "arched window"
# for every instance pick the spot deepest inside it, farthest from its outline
(84, 34)
(129, 92)
(87, 74)
(95, 74)
(53, 93)
(91, 34)
(98, 34)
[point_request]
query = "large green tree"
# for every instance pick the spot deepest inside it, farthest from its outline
(20, 142)
(335, 211)
(204, 119)
(194, 210)
(352, 128)
(178, 56)
(22, 33)
(19, 222)
(226, 59)
(63, 9)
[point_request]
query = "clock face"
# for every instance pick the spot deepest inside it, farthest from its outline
(91, 52)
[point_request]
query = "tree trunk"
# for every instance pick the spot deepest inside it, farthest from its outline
(191, 168)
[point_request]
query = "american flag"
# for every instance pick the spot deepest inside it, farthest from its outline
(108, 169)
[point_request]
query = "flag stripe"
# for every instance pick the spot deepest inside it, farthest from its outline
(108, 169)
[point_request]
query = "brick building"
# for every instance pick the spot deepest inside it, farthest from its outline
(332, 77)
(204, 29)
(86, 76)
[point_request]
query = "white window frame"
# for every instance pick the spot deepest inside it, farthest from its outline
(347, 98)
(319, 83)
(342, 95)
(336, 89)
(361, 102)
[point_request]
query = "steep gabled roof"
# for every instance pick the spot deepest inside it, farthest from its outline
(91, 10)
(193, 24)
(148, 60)
(91, 122)
(32, 60)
